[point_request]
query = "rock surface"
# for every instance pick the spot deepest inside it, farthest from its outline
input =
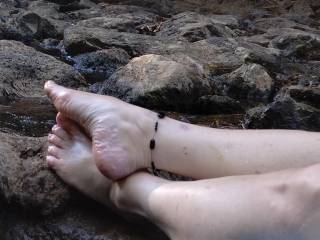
(157, 82)
(293, 108)
(23, 71)
(24, 178)
(225, 58)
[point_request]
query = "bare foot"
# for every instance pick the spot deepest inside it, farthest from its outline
(120, 132)
(70, 155)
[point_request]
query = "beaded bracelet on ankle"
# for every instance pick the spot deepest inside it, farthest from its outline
(161, 115)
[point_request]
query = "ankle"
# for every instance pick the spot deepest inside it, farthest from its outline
(147, 124)
(122, 198)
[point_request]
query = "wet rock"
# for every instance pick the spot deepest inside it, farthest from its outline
(28, 117)
(154, 81)
(23, 71)
(100, 65)
(194, 27)
(285, 113)
(25, 181)
(249, 82)
(51, 46)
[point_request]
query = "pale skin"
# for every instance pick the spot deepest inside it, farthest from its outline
(278, 205)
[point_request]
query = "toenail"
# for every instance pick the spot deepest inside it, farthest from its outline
(51, 149)
(48, 84)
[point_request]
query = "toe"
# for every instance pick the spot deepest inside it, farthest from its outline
(52, 162)
(71, 103)
(67, 124)
(54, 151)
(56, 140)
(60, 132)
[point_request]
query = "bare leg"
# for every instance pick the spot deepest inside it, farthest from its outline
(203, 153)
(283, 205)
(121, 134)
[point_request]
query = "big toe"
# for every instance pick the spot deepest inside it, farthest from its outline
(70, 103)
(57, 94)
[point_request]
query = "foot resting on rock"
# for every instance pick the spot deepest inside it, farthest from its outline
(120, 132)
(70, 156)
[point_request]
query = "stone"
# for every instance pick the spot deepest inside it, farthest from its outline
(306, 94)
(23, 71)
(298, 44)
(121, 20)
(249, 82)
(285, 113)
(216, 54)
(25, 180)
(79, 40)
(157, 82)
(100, 65)
(194, 27)
(39, 21)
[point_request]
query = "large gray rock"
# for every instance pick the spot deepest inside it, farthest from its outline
(158, 82)
(78, 39)
(23, 71)
(123, 21)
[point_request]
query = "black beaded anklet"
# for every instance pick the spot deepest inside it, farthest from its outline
(161, 115)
